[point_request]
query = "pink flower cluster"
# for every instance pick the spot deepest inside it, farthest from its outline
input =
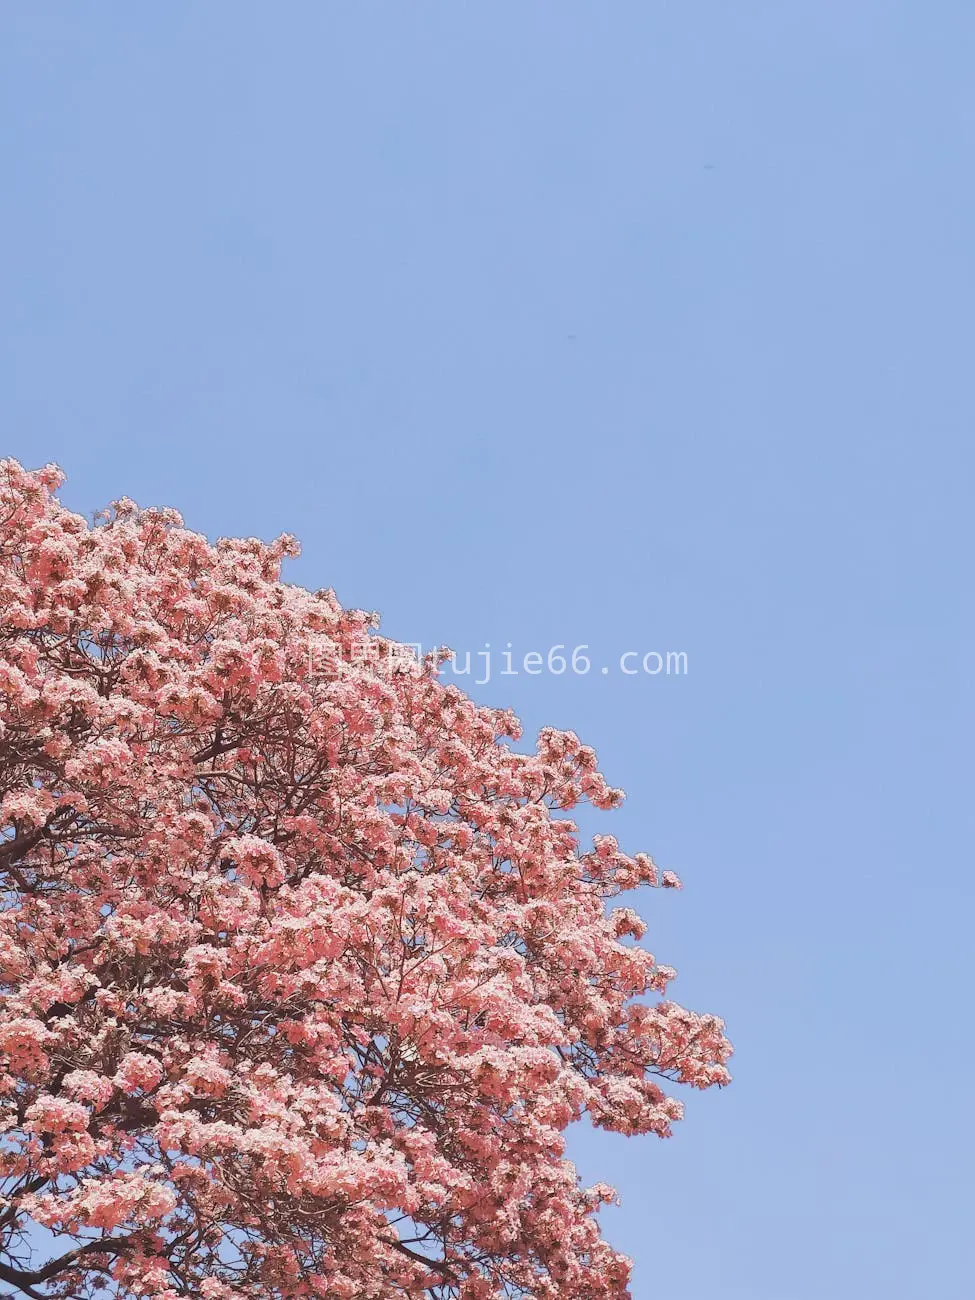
(302, 977)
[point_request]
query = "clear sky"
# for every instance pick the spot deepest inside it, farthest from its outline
(641, 325)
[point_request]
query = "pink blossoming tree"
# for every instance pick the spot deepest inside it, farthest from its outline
(303, 974)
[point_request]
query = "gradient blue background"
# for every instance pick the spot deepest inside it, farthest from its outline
(640, 325)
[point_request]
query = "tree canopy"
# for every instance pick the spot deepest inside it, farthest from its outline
(304, 971)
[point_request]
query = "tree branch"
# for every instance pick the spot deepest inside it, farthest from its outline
(23, 1278)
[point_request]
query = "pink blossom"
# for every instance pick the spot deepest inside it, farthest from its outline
(138, 1072)
(289, 955)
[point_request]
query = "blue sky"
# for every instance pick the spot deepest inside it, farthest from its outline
(643, 326)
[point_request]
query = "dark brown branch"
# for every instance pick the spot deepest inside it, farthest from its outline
(24, 1278)
(438, 1265)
